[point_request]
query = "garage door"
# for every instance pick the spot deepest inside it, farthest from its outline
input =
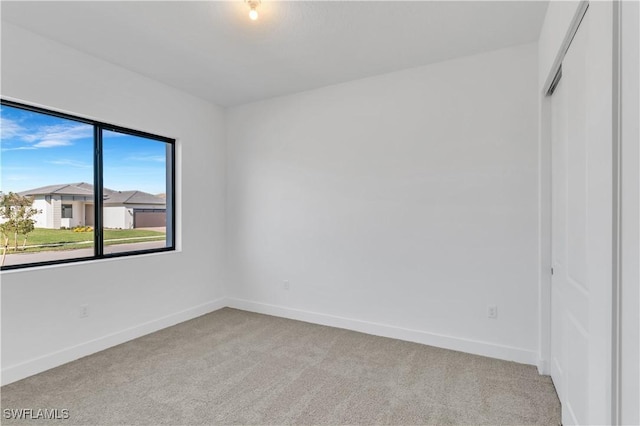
(149, 218)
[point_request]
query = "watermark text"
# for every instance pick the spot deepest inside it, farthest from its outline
(35, 413)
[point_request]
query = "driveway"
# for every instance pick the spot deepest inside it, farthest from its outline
(162, 229)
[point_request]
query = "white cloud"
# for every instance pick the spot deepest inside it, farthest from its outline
(42, 136)
(51, 143)
(71, 163)
(20, 148)
(151, 158)
(58, 135)
(10, 129)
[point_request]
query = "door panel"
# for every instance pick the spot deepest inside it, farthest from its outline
(570, 190)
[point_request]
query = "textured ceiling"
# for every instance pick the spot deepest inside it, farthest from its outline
(212, 49)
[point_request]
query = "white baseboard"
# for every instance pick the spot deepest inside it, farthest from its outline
(37, 365)
(476, 347)
(33, 366)
(543, 367)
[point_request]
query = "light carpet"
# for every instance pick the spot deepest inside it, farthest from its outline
(236, 367)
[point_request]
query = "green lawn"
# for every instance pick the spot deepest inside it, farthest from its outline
(65, 239)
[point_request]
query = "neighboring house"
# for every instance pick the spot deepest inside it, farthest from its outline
(71, 205)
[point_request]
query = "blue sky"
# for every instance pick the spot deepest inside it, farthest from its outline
(38, 150)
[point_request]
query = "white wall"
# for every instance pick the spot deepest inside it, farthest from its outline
(400, 205)
(115, 217)
(41, 218)
(128, 217)
(56, 212)
(130, 296)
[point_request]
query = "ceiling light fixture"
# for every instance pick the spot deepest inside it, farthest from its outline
(253, 13)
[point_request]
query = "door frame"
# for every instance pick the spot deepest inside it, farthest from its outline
(606, 382)
(628, 297)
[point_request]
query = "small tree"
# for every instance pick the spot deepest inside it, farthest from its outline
(25, 227)
(5, 231)
(17, 212)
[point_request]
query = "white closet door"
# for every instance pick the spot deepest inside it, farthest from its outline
(570, 291)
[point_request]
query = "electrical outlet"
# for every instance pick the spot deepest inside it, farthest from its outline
(84, 311)
(492, 311)
(285, 285)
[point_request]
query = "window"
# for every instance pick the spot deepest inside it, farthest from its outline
(67, 211)
(75, 189)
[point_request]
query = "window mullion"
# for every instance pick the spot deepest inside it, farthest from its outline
(98, 192)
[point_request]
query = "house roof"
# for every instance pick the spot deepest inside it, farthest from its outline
(132, 197)
(62, 189)
(110, 196)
